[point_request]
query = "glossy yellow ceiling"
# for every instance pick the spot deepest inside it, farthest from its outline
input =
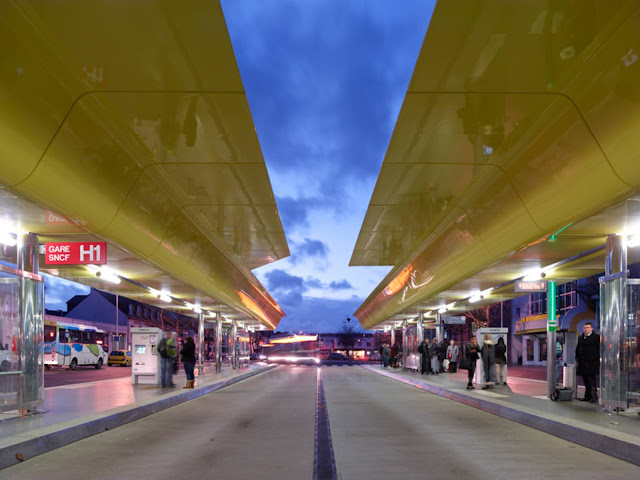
(521, 118)
(131, 120)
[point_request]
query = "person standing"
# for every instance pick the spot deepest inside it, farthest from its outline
(558, 360)
(488, 359)
(588, 358)
(168, 353)
(380, 352)
(501, 362)
(471, 352)
(423, 350)
(442, 353)
(386, 352)
(188, 353)
(434, 350)
(453, 352)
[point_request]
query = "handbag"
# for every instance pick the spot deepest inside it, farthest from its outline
(465, 364)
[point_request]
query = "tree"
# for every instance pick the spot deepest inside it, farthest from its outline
(348, 334)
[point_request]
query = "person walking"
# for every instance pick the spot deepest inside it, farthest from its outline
(453, 352)
(488, 359)
(168, 353)
(188, 353)
(434, 350)
(501, 362)
(423, 350)
(471, 352)
(442, 354)
(588, 358)
(386, 352)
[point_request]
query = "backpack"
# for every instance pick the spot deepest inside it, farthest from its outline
(162, 348)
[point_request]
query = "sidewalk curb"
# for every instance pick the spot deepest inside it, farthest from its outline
(45, 443)
(614, 447)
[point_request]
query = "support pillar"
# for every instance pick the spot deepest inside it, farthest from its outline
(393, 335)
(420, 328)
(438, 326)
(31, 326)
(404, 344)
(615, 364)
(218, 342)
(200, 344)
(551, 339)
(234, 344)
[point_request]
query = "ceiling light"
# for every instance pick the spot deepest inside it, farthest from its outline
(533, 275)
(104, 273)
(486, 293)
(451, 305)
(165, 296)
(476, 298)
(7, 239)
(633, 240)
(443, 309)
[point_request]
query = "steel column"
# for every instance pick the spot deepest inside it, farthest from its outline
(200, 344)
(31, 326)
(234, 344)
(218, 342)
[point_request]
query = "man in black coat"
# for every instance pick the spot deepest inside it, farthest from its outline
(588, 358)
(423, 350)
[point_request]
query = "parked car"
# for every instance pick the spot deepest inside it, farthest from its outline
(119, 357)
(337, 356)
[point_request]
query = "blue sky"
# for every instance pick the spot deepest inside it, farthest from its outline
(325, 80)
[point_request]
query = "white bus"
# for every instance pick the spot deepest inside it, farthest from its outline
(70, 345)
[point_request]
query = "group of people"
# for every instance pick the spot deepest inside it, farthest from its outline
(437, 357)
(493, 355)
(168, 351)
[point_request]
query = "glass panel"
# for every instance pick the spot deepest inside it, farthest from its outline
(614, 380)
(632, 343)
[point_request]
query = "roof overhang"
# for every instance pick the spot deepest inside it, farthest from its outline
(520, 121)
(129, 120)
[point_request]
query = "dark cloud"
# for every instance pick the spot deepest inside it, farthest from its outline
(341, 285)
(314, 283)
(294, 213)
(308, 249)
(59, 290)
(325, 81)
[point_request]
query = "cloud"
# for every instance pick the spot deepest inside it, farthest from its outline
(308, 249)
(324, 82)
(293, 213)
(59, 290)
(341, 285)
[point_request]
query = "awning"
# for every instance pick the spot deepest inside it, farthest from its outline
(520, 122)
(128, 121)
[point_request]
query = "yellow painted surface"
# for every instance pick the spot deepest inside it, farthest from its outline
(130, 119)
(521, 118)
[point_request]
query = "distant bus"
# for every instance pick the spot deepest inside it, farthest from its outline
(70, 345)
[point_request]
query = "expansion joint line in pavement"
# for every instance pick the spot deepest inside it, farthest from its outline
(324, 466)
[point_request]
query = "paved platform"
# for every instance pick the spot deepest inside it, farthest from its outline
(524, 401)
(380, 428)
(77, 411)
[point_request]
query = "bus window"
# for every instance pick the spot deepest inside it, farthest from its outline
(49, 333)
(74, 336)
(62, 336)
(88, 337)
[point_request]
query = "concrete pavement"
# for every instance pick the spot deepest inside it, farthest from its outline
(385, 429)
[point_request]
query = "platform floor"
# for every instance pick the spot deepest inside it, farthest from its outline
(264, 428)
(67, 404)
(531, 394)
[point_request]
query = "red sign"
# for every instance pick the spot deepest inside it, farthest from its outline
(75, 253)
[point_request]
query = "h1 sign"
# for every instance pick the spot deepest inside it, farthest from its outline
(75, 253)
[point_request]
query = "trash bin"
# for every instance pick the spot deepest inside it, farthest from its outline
(569, 375)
